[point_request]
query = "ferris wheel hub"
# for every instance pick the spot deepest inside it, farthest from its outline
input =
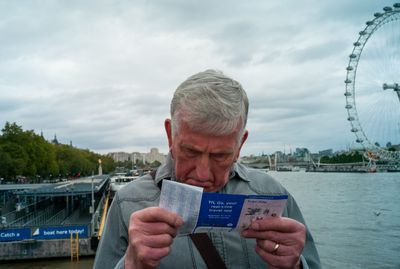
(394, 86)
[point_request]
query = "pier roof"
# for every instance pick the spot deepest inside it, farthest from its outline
(65, 188)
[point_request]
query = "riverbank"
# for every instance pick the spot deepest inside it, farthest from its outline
(59, 263)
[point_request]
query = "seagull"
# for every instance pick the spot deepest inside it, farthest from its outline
(377, 213)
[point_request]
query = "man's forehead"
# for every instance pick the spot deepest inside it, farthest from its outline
(213, 149)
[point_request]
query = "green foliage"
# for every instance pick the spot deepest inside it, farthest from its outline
(15, 158)
(352, 157)
(28, 154)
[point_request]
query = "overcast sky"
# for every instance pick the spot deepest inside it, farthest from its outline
(101, 73)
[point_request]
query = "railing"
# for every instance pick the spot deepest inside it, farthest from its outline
(103, 216)
(57, 218)
(7, 217)
(96, 219)
(19, 222)
(48, 216)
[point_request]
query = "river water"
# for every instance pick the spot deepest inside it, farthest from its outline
(354, 218)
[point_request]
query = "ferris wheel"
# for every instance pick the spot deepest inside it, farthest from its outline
(373, 99)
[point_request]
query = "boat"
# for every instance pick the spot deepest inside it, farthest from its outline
(120, 180)
(288, 169)
(284, 169)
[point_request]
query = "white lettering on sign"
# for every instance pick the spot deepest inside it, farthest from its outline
(7, 235)
(76, 231)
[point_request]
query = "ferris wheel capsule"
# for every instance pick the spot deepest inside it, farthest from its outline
(387, 9)
(347, 94)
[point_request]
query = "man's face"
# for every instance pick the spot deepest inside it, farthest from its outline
(203, 160)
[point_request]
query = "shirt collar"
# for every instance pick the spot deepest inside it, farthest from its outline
(240, 171)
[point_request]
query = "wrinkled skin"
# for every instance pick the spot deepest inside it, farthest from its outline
(151, 232)
(205, 160)
(288, 233)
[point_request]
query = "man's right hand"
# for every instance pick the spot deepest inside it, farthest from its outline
(151, 233)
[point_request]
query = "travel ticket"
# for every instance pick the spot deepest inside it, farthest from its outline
(204, 211)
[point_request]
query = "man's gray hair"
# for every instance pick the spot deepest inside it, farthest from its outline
(210, 102)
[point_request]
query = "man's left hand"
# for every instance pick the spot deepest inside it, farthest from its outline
(280, 241)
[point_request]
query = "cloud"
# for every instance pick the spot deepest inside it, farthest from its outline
(101, 74)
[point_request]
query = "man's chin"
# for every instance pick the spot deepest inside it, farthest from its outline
(211, 189)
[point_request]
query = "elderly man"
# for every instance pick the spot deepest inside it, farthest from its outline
(205, 134)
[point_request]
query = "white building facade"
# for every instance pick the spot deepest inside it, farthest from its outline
(134, 157)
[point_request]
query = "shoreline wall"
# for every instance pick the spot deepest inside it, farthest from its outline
(37, 249)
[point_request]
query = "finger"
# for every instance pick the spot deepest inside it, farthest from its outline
(293, 243)
(154, 228)
(272, 247)
(269, 235)
(157, 214)
(154, 241)
(152, 256)
(278, 249)
(280, 224)
(277, 261)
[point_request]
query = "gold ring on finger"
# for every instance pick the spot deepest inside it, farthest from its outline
(276, 247)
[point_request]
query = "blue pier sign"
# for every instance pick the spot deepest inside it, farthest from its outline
(60, 232)
(14, 234)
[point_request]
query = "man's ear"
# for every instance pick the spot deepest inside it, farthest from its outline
(168, 130)
(244, 138)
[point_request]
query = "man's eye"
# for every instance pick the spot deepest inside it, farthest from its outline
(220, 156)
(190, 153)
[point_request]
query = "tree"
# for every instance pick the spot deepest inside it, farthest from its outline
(26, 153)
(353, 157)
(15, 161)
(5, 163)
(11, 132)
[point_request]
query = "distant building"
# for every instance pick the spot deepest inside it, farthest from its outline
(120, 156)
(301, 152)
(154, 155)
(55, 141)
(149, 157)
(327, 152)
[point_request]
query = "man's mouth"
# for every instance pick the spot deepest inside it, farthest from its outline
(199, 183)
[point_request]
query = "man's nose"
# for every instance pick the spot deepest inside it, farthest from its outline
(203, 167)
